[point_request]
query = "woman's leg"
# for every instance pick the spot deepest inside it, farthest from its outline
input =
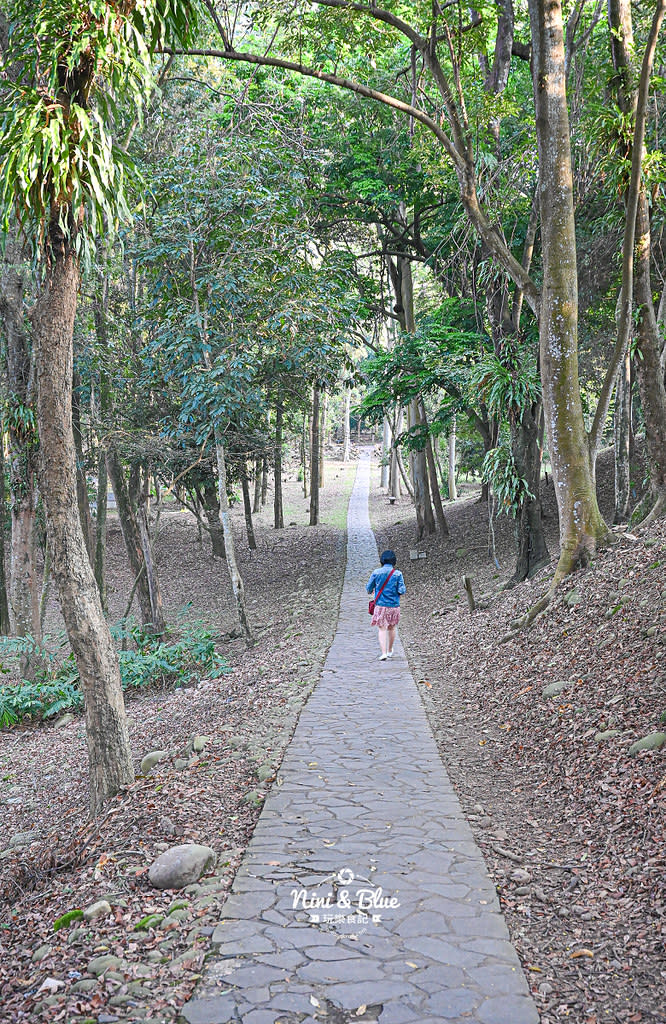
(381, 634)
(392, 630)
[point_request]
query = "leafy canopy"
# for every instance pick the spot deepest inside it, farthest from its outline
(69, 63)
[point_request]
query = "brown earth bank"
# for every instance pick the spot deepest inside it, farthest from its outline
(571, 826)
(569, 823)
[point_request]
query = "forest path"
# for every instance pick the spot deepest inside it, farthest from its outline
(362, 895)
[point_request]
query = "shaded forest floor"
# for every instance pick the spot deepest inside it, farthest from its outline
(570, 825)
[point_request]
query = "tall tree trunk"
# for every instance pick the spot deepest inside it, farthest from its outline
(386, 454)
(322, 434)
(278, 512)
(81, 482)
(622, 435)
(247, 507)
(648, 364)
(533, 551)
(158, 625)
(5, 626)
(109, 751)
(229, 544)
(432, 475)
(305, 445)
(581, 525)
(100, 306)
(211, 507)
(100, 530)
(346, 428)
(24, 585)
(131, 531)
(395, 471)
(264, 480)
(425, 520)
(314, 459)
(256, 506)
(632, 99)
(453, 492)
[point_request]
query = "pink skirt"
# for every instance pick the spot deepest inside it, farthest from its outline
(385, 617)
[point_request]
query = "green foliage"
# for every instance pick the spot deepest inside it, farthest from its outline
(508, 383)
(70, 61)
(176, 664)
(154, 661)
(499, 470)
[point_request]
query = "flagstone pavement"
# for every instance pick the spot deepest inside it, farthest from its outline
(362, 895)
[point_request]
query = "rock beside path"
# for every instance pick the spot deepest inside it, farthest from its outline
(181, 866)
(655, 741)
(151, 759)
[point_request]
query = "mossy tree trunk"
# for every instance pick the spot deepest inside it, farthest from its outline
(582, 527)
(109, 752)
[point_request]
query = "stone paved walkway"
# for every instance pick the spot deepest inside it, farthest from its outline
(362, 895)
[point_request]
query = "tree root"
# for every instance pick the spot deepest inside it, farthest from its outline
(655, 512)
(523, 621)
(566, 565)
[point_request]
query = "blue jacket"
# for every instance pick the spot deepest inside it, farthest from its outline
(390, 595)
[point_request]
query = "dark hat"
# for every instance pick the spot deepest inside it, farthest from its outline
(388, 558)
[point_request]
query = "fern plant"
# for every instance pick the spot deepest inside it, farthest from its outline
(152, 662)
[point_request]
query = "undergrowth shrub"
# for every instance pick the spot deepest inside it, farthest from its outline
(171, 660)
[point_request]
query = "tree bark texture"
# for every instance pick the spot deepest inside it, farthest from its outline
(229, 544)
(425, 520)
(211, 507)
(264, 480)
(581, 525)
(533, 551)
(100, 307)
(278, 512)
(81, 482)
(5, 625)
(150, 601)
(24, 586)
(247, 507)
(386, 454)
(633, 102)
(315, 456)
(432, 475)
(453, 492)
(648, 361)
(109, 752)
(100, 529)
(323, 405)
(158, 624)
(622, 437)
(305, 446)
(346, 429)
(256, 504)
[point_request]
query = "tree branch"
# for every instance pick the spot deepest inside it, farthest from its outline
(626, 294)
(342, 83)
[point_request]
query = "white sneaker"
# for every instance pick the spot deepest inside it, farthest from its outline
(389, 654)
(383, 657)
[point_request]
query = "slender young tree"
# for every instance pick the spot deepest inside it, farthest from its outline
(74, 187)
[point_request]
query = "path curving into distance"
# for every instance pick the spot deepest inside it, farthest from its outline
(362, 895)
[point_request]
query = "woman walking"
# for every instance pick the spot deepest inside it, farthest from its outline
(388, 584)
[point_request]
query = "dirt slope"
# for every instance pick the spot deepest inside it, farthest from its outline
(571, 825)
